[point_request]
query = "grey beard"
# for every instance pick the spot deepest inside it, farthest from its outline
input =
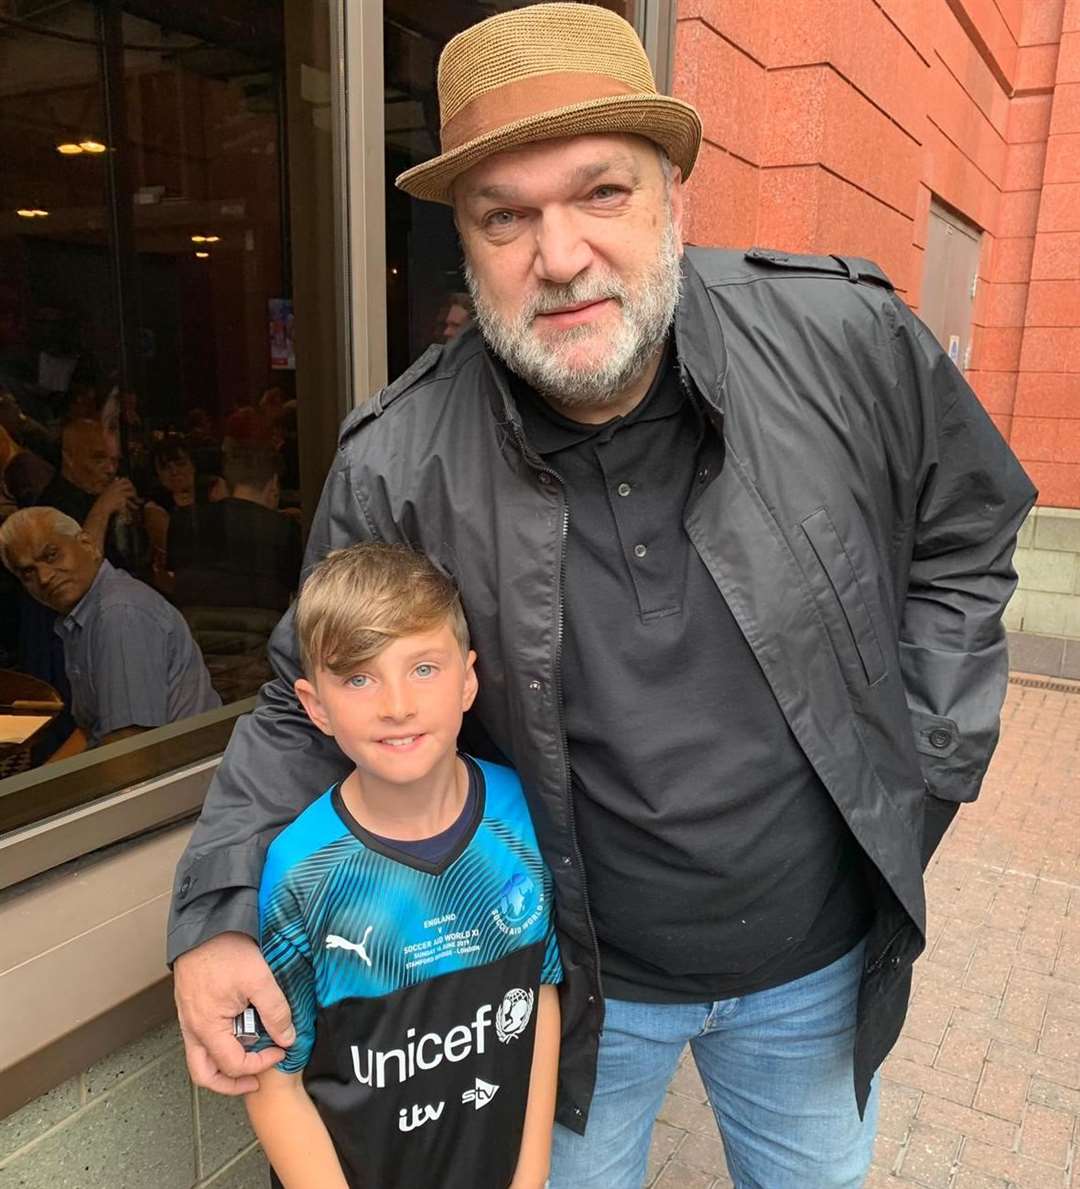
(647, 313)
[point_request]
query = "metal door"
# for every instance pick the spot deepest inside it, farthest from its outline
(949, 280)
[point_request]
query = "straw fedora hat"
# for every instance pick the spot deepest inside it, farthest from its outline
(542, 72)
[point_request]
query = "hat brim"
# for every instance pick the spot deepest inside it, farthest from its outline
(670, 123)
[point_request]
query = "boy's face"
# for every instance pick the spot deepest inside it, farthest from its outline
(399, 713)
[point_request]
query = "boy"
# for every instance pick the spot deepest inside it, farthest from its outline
(406, 913)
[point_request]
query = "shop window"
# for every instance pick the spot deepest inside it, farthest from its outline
(155, 388)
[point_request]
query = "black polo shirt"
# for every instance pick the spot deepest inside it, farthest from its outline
(716, 862)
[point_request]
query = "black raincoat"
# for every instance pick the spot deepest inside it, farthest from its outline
(860, 527)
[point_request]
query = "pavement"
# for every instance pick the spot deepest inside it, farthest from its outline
(982, 1091)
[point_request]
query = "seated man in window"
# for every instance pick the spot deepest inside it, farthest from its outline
(129, 656)
(240, 551)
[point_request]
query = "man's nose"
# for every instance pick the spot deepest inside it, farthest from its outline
(562, 252)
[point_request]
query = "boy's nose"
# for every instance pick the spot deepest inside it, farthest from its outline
(398, 702)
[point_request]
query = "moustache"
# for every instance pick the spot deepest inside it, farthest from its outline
(575, 293)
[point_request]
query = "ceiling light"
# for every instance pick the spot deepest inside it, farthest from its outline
(31, 212)
(92, 146)
(201, 255)
(39, 214)
(213, 239)
(198, 239)
(69, 150)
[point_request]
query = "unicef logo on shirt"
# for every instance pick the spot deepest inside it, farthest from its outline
(520, 904)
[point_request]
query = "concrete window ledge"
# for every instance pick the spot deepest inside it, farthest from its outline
(94, 1092)
(82, 964)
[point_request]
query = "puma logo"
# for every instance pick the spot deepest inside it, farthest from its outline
(334, 942)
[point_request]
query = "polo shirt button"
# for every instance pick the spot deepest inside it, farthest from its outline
(640, 550)
(566, 860)
(624, 489)
(703, 474)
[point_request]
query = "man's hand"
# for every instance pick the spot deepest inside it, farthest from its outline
(214, 982)
(118, 496)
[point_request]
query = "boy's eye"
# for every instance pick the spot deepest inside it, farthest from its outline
(358, 681)
(425, 670)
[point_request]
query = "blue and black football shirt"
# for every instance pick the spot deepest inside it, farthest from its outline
(413, 985)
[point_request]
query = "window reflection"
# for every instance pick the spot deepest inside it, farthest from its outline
(148, 385)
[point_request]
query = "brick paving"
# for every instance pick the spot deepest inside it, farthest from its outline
(983, 1088)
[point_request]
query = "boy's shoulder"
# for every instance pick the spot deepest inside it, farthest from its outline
(317, 826)
(504, 797)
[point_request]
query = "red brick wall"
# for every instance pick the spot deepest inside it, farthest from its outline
(829, 124)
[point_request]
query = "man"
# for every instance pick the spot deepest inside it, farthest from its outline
(733, 541)
(240, 551)
(129, 656)
(87, 489)
(453, 315)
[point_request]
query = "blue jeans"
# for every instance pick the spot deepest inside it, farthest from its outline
(777, 1067)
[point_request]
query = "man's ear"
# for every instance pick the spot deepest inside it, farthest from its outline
(312, 704)
(468, 695)
(88, 542)
(677, 204)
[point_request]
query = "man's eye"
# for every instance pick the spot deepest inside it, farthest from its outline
(604, 193)
(499, 219)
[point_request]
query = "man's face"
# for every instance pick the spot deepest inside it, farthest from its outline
(572, 256)
(91, 457)
(456, 317)
(56, 569)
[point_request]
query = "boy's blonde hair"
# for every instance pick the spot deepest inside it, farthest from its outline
(357, 600)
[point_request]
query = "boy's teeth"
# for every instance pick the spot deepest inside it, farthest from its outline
(400, 742)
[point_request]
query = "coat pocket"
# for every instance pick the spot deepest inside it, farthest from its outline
(838, 567)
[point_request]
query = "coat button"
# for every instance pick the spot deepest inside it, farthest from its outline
(624, 489)
(703, 474)
(566, 860)
(640, 550)
(545, 478)
(185, 886)
(940, 738)
(535, 687)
